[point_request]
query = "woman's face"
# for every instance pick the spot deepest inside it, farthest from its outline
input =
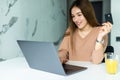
(78, 18)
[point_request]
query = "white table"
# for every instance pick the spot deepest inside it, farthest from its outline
(18, 69)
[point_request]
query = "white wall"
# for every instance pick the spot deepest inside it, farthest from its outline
(39, 20)
(116, 27)
(9, 35)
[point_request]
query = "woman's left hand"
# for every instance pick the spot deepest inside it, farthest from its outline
(104, 30)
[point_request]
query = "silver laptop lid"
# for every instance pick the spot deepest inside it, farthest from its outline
(42, 56)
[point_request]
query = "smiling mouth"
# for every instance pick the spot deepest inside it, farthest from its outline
(78, 24)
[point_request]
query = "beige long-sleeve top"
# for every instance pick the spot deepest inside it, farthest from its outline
(84, 47)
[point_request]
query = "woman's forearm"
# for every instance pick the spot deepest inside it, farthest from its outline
(98, 53)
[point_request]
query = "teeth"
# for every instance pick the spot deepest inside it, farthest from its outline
(78, 23)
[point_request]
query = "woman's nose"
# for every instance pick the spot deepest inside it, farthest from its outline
(75, 19)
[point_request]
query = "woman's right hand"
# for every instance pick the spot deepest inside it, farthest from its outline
(63, 58)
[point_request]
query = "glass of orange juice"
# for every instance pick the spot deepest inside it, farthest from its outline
(111, 61)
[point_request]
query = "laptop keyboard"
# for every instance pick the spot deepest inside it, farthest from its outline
(69, 69)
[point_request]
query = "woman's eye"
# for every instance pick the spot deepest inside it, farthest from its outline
(79, 14)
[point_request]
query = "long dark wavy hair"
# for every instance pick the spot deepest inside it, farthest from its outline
(88, 12)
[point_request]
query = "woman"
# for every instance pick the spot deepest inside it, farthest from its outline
(85, 39)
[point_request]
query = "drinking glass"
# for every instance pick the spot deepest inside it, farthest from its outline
(111, 61)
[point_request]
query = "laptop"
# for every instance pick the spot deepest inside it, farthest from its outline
(43, 56)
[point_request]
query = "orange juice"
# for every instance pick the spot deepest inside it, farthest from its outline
(111, 66)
